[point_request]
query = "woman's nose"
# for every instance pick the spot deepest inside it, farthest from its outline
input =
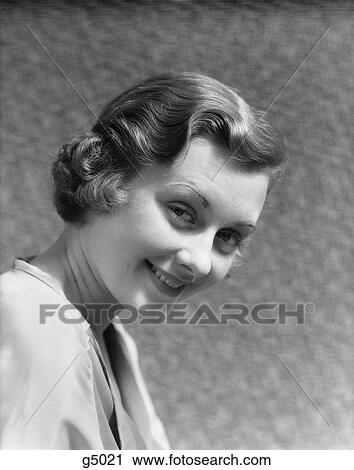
(196, 258)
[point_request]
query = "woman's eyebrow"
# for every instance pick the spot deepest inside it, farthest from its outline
(248, 226)
(205, 202)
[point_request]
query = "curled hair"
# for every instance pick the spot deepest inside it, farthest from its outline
(83, 179)
(152, 123)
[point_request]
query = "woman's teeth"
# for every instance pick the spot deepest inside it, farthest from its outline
(164, 279)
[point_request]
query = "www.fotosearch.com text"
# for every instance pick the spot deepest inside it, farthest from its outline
(178, 313)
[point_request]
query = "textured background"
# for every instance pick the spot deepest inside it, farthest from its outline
(215, 387)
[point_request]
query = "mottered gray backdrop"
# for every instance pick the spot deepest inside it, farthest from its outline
(250, 386)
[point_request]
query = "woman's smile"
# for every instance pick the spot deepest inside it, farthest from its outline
(165, 282)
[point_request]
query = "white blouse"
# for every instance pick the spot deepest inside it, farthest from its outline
(58, 388)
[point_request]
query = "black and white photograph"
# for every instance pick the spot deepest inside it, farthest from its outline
(177, 229)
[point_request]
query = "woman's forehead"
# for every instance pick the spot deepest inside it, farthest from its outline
(200, 158)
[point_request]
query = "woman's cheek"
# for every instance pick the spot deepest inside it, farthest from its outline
(221, 266)
(158, 232)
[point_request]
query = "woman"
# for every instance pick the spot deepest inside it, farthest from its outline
(157, 199)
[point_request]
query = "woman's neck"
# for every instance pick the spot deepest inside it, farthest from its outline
(68, 265)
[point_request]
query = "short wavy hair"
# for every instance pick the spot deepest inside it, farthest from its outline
(152, 123)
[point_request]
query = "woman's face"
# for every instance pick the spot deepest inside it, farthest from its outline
(180, 230)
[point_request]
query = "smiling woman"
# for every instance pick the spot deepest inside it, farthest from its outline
(157, 199)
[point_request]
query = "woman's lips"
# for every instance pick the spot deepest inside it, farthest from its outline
(164, 282)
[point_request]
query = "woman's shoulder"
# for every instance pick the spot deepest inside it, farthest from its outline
(31, 307)
(24, 282)
(38, 349)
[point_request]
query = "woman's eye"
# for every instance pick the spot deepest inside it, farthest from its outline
(228, 241)
(182, 213)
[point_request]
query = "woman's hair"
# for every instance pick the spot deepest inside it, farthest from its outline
(153, 123)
